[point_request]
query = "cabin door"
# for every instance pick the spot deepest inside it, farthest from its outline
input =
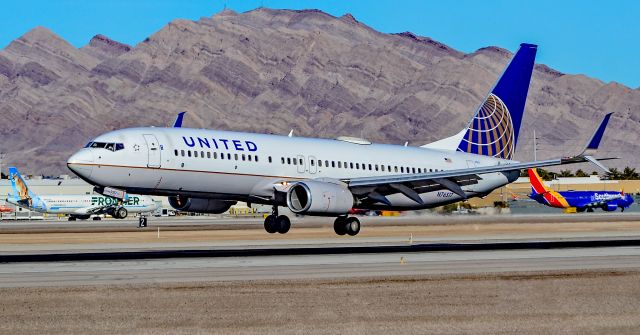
(153, 151)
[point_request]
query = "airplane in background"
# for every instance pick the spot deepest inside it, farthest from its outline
(207, 171)
(581, 200)
(76, 206)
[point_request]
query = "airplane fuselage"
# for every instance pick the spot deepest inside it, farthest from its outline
(246, 166)
(80, 204)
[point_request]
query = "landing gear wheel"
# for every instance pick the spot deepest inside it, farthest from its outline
(352, 226)
(121, 213)
(270, 224)
(589, 210)
(283, 223)
(97, 218)
(339, 225)
(72, 218)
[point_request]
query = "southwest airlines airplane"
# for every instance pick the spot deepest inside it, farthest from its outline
(76, 206)
(208, 171)
(580, 200)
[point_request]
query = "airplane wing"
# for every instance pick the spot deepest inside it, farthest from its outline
(412, 184)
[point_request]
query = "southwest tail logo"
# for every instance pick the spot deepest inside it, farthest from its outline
(539, 189)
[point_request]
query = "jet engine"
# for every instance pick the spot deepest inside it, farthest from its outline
(319, 198)
(609, 207)
(200, 205)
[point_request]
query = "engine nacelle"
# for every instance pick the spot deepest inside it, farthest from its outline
(609, 207)
(319, 198)
(200, 205)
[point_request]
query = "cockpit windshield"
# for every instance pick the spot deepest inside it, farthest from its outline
(104, 145)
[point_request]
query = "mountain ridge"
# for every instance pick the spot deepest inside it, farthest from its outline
(272, 70)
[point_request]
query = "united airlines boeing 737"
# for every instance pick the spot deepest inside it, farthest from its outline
(207, 171)
(80, 206)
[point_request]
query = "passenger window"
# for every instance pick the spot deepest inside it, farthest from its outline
(376, 167)
(351, 165)
(215, 155)
(345, 165)
(208, 154)
(189, 153)
(256, 158)
(270, 161)
(228, 156)
(195, 154)
(319, 162)
(357, 166)
(402, 169)
(176, 152)
(282, 159)
(382, 167)
(333, 164)
(339, 164)
(221, 156)
(202, 154)
(182, 153)
(326, 163)
(248, 157)
(243, 157)
(295, 161)
(235, 156)
(370, 167)
(288, 160)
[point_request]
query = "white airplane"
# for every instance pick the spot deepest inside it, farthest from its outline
(76, 206)
(207, 171)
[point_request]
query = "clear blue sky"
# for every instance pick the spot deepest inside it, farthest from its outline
(598, 38)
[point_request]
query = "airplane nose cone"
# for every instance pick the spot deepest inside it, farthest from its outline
(81, 163)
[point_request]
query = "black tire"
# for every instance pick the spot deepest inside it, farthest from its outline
(339, 225)
(121, 213)
(283, 223)
(72, 218)
(270, 224)
(352, 226)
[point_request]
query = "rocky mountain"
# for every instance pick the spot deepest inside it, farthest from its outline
(273, 70)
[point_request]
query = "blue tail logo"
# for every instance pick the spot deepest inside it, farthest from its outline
(493, 130)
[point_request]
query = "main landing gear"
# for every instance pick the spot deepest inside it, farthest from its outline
(346, 225)
(277, 223)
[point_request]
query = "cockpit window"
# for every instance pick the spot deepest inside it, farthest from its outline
(108, 146)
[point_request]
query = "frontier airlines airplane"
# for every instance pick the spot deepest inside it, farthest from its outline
(207, 171)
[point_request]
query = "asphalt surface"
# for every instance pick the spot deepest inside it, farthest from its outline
(76, 273)
(207, 249)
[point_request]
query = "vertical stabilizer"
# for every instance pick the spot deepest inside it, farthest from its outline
(21, 192)
(493, 130)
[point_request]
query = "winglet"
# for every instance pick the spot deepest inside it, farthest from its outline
(594, 142)
(178, 122)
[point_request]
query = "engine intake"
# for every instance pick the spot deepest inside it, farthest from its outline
(200, 205)
(319, 198)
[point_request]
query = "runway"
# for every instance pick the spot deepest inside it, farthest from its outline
(315, 266)
(406, 275)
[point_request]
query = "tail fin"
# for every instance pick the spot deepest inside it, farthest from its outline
(493, 130)
(537, 185)
(21, 192)
(594, 142)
